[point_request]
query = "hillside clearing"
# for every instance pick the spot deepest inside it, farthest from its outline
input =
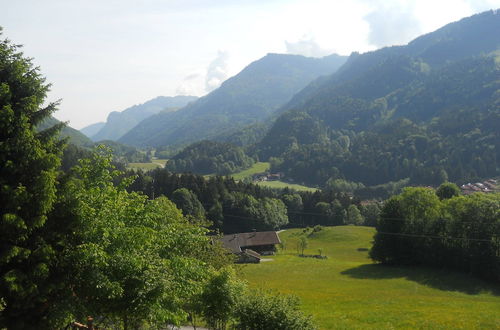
(144, 166)
(282, 185)
(348, 291)
(258, 167)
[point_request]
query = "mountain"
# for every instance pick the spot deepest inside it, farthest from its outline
(427, 112)
(458, 40)
(75, 137)
(250, 96)
(92, 129)
(119, 123)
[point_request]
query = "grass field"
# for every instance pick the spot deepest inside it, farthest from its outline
(258, 167)
(148, 166)
(281, 185)
(143, 166)
(348, 291)
(160, 161)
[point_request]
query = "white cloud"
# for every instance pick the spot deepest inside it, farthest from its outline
(217, 71)
(307, 47)
(192, 84)
(392, 24)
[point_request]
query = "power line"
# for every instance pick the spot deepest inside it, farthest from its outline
(436, 237)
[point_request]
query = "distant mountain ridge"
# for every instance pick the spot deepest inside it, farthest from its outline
(250, 96)
(92, 129)
(119, 123)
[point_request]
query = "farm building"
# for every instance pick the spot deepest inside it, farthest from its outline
(250, 246)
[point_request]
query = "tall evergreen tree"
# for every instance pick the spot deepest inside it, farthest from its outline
(28, 167)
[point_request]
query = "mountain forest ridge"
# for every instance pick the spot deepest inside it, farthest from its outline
(250, 96)
(426, 111)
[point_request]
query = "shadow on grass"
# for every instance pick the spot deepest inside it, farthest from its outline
(445, 280)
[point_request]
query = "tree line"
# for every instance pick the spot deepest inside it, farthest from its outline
(441, 229)
(233, 206)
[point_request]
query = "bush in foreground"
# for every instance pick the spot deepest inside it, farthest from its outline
(265, 310)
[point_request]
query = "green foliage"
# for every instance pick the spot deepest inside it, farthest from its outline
(187, 201)
(370, 212)
(130, 259)
(207, 157)
(459, 232)
(126, 154)
(302, 244)
(28, 163)
(220, 297)
(354, 216)
(235, 207)
(339, 185)
(447, 190)
(261, 310)
(246, 213)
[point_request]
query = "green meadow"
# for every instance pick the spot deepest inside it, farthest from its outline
(258, 167)
(144, 166)
(282, 185)
(161, 162)
(348, 291)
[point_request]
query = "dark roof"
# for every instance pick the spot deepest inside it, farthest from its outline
(235, 242)
(252, 253)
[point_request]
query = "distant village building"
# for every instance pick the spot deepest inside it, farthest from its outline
(485, 187)
(266, 176)
(249, 247)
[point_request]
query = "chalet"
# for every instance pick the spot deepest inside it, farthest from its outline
(251, 246)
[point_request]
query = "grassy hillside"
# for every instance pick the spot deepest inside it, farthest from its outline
(258, 167)
(348, 291)
(144, 166)
(282, 185)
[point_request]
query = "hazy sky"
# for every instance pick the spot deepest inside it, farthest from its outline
(107, 55)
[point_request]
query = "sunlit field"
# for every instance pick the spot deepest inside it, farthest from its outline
(348, 291)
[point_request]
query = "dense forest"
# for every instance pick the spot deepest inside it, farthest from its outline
(207, 157)
(443, 126)
(241, 207)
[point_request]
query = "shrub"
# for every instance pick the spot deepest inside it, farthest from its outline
(265, 310)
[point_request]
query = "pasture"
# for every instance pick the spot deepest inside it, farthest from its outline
(258, 167)
(145, 166)
(348, 291)
(282, 185)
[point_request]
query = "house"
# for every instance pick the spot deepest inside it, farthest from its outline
(250, 246)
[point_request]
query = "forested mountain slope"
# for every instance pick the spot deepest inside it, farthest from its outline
(119, 123)
(75, 137)
(246, 98)
(428, 111)
(470, 36)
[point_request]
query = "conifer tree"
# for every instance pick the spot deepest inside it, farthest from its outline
(28, 165)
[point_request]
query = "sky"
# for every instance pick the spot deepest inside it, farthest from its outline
(107, 55)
